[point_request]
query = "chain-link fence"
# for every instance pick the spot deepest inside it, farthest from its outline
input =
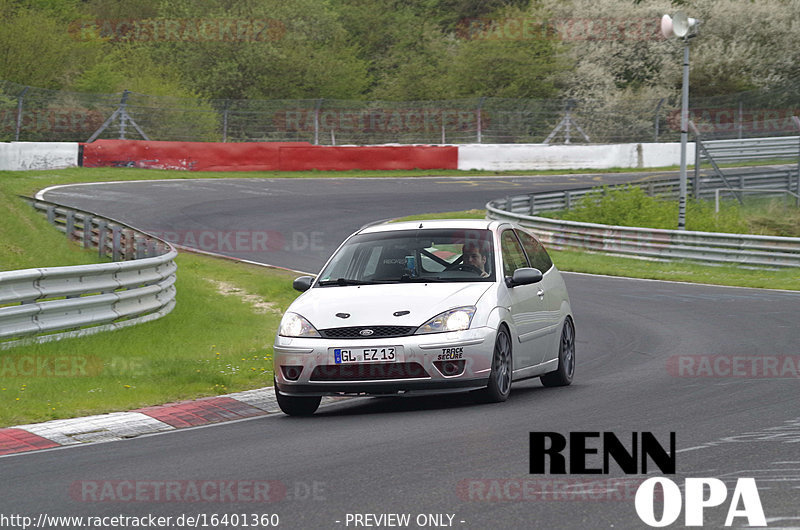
(36, 114)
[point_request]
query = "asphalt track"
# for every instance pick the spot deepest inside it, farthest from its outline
(450, 455)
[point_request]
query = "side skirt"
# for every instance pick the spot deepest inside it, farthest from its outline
(535, 371)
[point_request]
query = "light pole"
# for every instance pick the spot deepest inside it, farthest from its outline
(684, 28)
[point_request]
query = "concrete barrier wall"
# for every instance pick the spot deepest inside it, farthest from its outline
(187, 156)
(292, 156)
(661, 155)
(376, 157)
(504, 157)
(15, 156)
(265, 156)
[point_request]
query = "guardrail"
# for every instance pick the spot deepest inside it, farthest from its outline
(766, 181)
(778, 148)
(708, 247)
(717, 151)
(52, 303)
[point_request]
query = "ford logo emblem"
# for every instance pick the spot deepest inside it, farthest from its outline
(366, 332)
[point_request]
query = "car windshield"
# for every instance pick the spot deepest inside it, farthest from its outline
(425, 255)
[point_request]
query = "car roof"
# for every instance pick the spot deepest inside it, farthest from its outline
(432, 223)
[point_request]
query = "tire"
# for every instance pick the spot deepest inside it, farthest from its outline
(297, 405)
(499, 386)
(566, 358)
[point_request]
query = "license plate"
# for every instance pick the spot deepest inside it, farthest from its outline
(381, 354)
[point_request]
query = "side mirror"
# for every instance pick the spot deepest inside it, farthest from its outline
(303, 283)
(524, 276)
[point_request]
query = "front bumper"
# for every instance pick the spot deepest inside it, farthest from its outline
(320, 375)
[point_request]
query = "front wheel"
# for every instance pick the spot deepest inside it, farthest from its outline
(499, 386)
(566, 358)
(297, 405)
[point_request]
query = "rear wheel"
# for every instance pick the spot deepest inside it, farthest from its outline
(499, 386)
(297, 405)
(566, 358)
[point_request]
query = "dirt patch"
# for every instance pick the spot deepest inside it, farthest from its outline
(259, 305)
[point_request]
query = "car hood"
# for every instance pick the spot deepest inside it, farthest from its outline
(375, 305)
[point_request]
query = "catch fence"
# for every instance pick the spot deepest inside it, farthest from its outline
(36, 114)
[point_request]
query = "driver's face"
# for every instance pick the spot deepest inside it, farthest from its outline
(473, 257)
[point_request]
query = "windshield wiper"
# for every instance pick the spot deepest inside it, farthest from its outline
(422, 279)
(346, 281)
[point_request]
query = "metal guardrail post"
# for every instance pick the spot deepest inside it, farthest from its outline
(87, 231)
(567, 199)
(70, 224)
(51, 214)
(102, 234)
(137, 244)
(115, 243)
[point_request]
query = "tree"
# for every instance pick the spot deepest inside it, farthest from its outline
(37, 49)
(269, 50)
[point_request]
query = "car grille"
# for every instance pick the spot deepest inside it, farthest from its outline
(365, 371)
(377, 332)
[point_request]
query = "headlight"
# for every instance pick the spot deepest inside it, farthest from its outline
(293, 325)
(457, 319)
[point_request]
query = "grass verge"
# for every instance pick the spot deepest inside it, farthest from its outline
(683, 271)
(631, 206)
(217, 340)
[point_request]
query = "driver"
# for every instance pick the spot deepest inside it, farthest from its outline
(475, 254)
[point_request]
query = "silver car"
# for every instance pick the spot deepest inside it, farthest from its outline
(426, 306)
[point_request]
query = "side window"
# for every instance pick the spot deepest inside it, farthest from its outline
(513, 256)
(536, 252)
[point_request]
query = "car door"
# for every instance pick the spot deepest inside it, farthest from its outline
(526, 305)
(552, 293)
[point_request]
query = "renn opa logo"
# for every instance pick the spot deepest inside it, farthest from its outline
(550, 453)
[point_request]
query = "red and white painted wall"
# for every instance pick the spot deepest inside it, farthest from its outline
(297, 156)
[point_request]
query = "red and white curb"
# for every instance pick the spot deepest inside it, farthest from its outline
(148, 420)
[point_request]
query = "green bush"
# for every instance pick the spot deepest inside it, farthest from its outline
(630, 206)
